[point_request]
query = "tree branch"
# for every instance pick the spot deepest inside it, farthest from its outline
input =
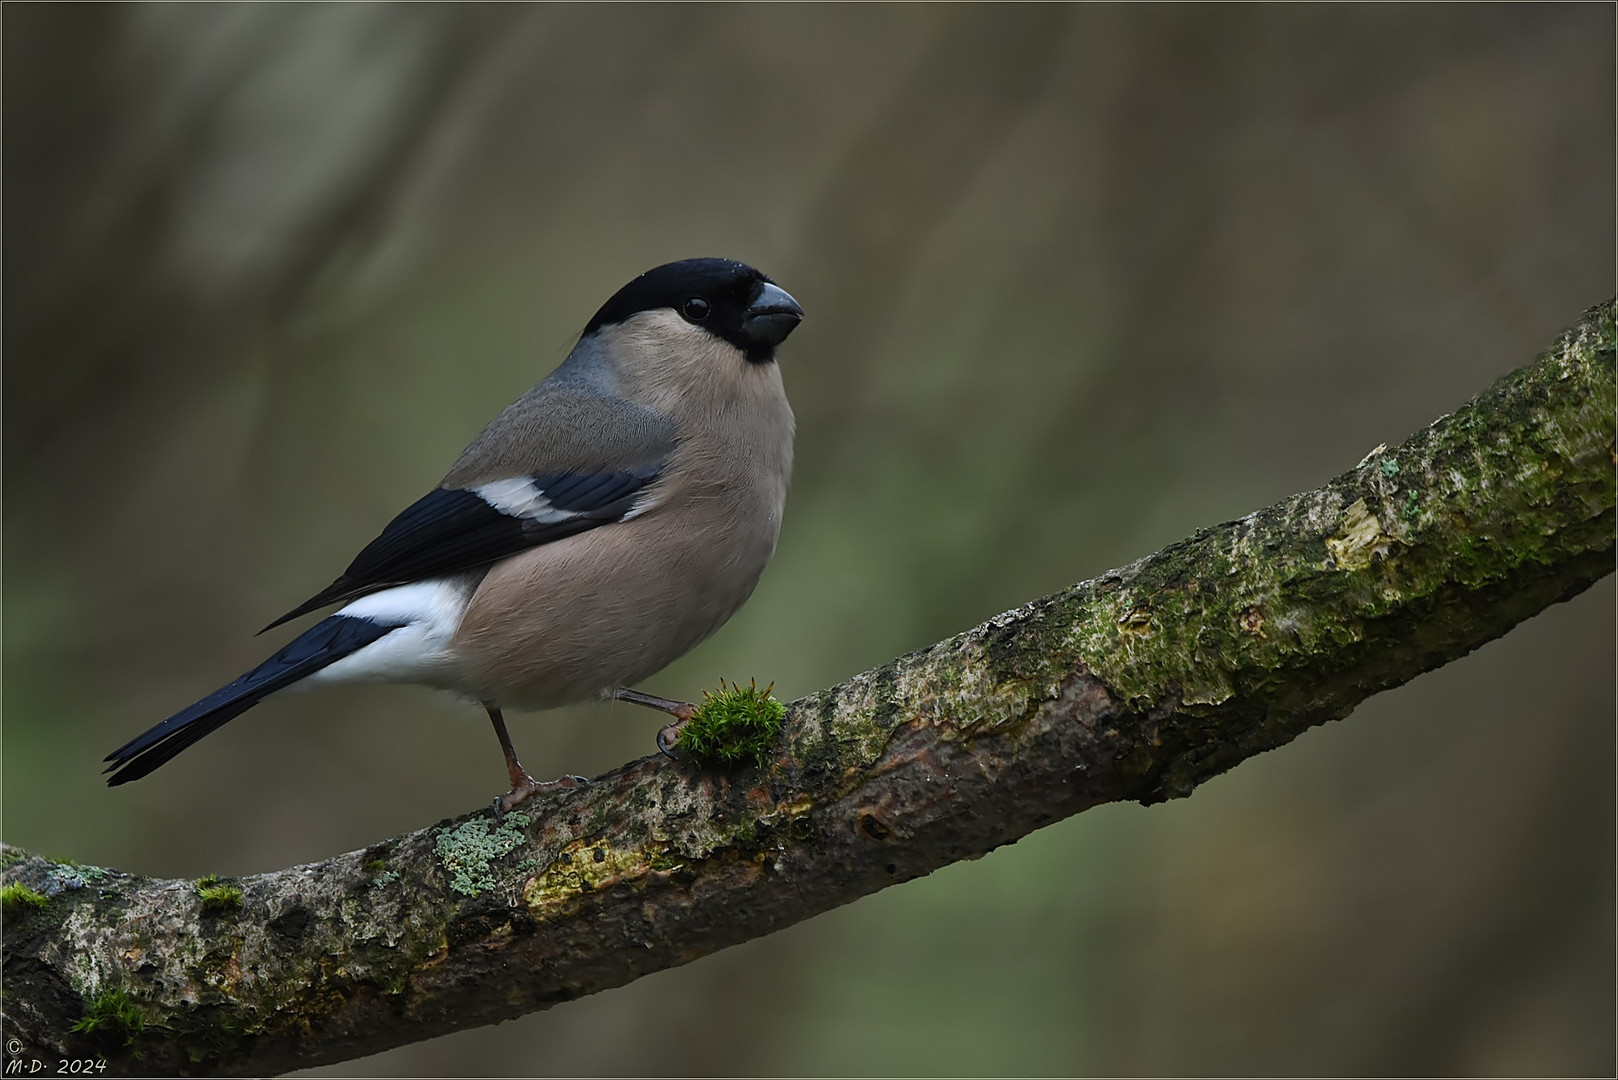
(1139, 684)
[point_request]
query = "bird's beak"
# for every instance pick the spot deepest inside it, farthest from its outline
(771, 316)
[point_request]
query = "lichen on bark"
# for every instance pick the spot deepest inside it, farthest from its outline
(1139, 684)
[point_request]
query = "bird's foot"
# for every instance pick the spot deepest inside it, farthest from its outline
(668, 737)
(669, 734)
(527, 787)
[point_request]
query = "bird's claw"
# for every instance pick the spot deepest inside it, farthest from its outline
(668, 737)
(529, 787)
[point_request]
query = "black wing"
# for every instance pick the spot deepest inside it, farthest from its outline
(450, 530)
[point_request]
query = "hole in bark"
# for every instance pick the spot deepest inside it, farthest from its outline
(291, 923)
(873, 828)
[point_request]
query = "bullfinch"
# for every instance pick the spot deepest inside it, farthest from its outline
(606, 522)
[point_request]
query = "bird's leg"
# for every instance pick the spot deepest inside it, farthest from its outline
(669, 734)
(523, 786)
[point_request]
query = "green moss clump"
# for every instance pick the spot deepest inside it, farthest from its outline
(17, 899)
(738, 724)
(217, 895)
(112, 1014)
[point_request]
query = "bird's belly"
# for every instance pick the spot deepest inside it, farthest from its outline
(572, 619)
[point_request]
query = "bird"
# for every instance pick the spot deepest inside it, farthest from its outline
(605, 523)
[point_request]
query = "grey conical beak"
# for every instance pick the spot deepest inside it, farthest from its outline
(771, 316)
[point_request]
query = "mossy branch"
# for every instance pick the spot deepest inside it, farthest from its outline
(1139, 684)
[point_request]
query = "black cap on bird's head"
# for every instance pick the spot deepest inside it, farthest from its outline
(729, 299)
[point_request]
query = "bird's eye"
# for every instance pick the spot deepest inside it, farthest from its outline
(695, 309)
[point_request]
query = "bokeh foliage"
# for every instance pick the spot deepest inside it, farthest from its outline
(1079, 280)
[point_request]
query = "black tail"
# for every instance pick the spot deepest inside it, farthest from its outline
(324, 643)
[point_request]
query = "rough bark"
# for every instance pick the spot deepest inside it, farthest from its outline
(1139, 684)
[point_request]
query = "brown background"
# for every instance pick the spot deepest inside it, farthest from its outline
(1079, 280)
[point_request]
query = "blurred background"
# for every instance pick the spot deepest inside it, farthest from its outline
(1079, 280)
